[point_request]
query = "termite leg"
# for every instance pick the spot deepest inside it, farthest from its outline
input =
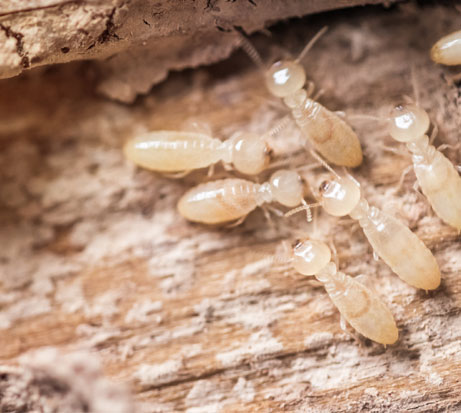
(340, 113)
(334, 252)
(274, 210)
(310, 88)
(405, 172)
(419, 194)
(319, 94)
(375, 256)
(448, 146)
(178, 175)
(360, 278)
(395, 151)
(408, 99)
(435, 131)
(211, 170)
(350, 332)
(267, 215)
(343, 324)
(237, 223)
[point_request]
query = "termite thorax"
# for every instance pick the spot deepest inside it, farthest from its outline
(326, 273)
(361, 210)
(264, 194)
(227, 149)
(296, 99)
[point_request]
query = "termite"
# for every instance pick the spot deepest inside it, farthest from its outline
(447, 51)
(176, 151)
(391, 240)
(437, 176)
(330, 135)
(360, 307)
(230, 199)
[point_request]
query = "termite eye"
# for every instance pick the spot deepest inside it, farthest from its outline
(408, 123)
(324, 186)
(310, 256)
(284, 78)
(341, 196)
(296, 243)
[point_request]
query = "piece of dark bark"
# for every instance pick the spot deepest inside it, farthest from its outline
(136, 42)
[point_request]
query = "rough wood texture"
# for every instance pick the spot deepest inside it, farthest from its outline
(95, 258)
(142, 39)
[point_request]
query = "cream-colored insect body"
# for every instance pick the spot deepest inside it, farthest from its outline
(330, 135)
(175, 151)
(360, 307)
(227, 200)
(437, 176)
(447, 51)
(397, 246)
(327, 132)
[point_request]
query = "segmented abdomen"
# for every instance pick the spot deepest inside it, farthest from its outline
(329, 134)
(219, 201)
(441, 184)
(171, 151)
(401, 249)
(362, 309)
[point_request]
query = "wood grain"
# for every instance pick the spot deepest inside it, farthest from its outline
(95, 258)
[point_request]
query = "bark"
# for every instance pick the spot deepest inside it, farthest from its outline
(97, 264)
(137, 42)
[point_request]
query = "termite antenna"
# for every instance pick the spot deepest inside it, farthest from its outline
(249, 49)
(280, 125)
(324, 164)
(311, 43)
(414, 84)
(304, 207)
(314, 219)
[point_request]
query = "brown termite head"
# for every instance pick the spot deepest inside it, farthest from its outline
(284, 78)
(310, 256)
(447, 51)
(408, 123)
(287, 187)
(250, 154)
(339, 195)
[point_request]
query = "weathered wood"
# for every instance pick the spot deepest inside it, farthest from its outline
(95, 257)
(137, 41)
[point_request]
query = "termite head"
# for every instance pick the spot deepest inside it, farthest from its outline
(408, 123)
(287, 187)
(250, 154)
(284, 78)
(310, 256)
(339, 195)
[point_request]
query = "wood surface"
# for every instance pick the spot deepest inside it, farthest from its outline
(139, 310)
